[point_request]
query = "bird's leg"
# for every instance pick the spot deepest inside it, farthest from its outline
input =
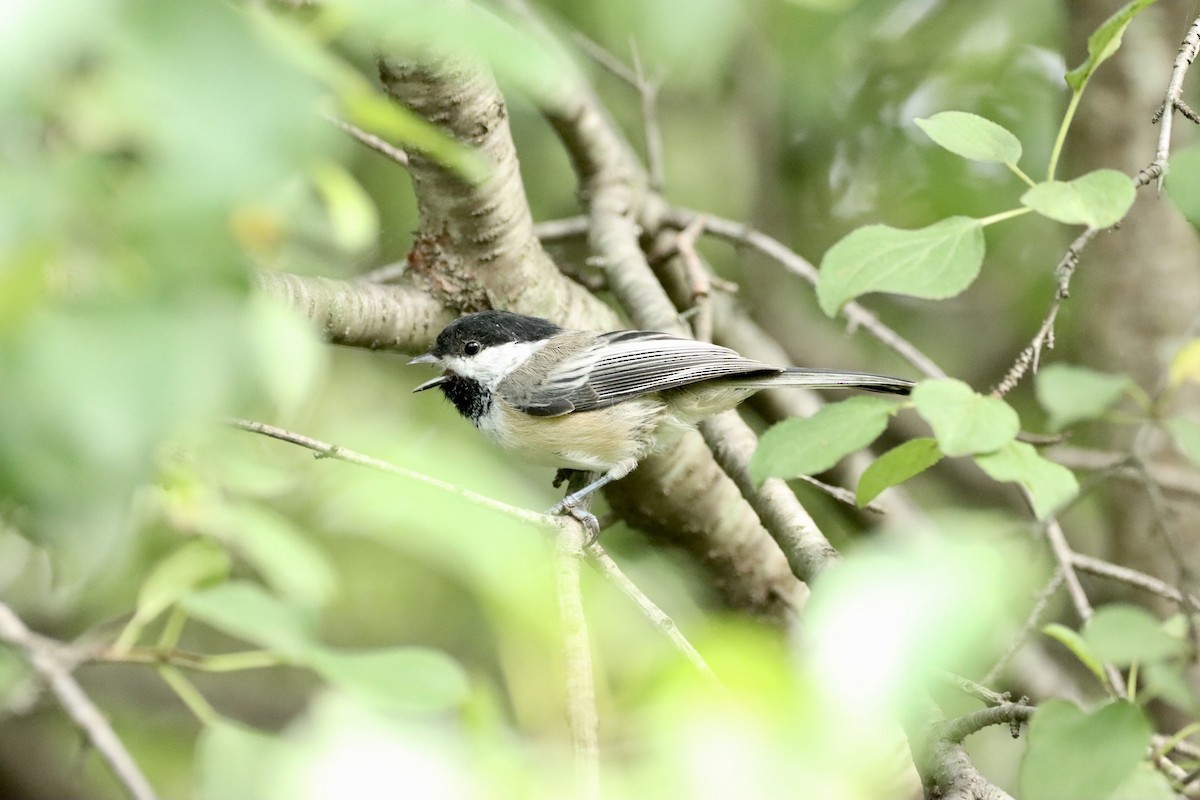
(575, 503)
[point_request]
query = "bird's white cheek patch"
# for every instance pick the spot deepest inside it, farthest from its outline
(495, 363)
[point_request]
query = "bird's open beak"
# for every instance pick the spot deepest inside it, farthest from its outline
(438, 381)
(429, 358)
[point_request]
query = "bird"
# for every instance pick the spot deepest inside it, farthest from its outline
(600, 402)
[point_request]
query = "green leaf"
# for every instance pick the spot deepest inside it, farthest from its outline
(410, 678)
(1186, 434)
(972, 136)
(1071, 394)
(1183, 182)
(1123, 634)
(1098, 199)
(278, 550)
(1144, 783)
(896, 466)
(1078, 647)
(378, 115)
(353, 217)
(1076, 756)
(245, 611)
(963, 421)
(1050, 485)
(231, 760)
(1166, 682)
(934, 262)
(806, 446)
(198, 563)
(1103, 42)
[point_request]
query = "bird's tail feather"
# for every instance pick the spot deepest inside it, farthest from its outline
(831, 379)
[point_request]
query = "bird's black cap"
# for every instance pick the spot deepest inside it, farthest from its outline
(491, 328)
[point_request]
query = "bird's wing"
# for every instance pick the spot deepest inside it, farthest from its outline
(625, 364)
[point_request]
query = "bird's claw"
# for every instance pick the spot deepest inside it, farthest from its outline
(568, 506)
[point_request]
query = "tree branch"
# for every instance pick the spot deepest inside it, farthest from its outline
(604, 563)
(361, 314)
(47, 657)
(582, 718)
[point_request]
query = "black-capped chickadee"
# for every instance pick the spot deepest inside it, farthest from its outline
(599, 402)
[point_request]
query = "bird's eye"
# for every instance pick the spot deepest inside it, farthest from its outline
(471, 348)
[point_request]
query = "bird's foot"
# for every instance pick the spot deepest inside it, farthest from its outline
(569, 506)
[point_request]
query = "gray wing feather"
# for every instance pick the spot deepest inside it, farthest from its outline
(625, 364)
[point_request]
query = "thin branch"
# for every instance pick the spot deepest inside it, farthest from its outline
(741, 234)
(956, 730)
(379, 145)
(1030, 357)
(976, 690)
(648, 91)
(1131, 577)
(701, 311)
(558, 229)
(1079, 599)
(582, 717)
(1183, 480)
(808, 551)
(1032, 620)
(604, 563)
(1172, 102)
(339, 453)
(46, 656)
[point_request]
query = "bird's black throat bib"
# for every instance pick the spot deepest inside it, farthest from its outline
(469, 396)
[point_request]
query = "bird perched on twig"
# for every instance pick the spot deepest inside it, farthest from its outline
(600, 402)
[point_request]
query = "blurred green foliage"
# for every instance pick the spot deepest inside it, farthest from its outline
(156, 154)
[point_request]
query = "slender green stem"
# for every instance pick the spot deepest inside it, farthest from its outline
(182, 659)
(1003, 215)
(1131, 683)
(1062, 134)
(173, 629)
(189, 694)
(129, 635)
(1020, 173)
(1184, 733)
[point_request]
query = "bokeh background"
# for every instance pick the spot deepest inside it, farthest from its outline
(156, 154)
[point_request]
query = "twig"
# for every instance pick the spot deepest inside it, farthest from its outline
(1079, 599)
(1157, 169)
(772, 248)
(334, 451)
(955, 730)
(976, 690)
(1175, 479)
(46, 657)
(1031, 622)
(1131, 577)
(582, 718)
(697, 274)
(807, 550)
(602, 560)
(558, 229)
(1172, 102)
(372, 141)
(840, 494)
(648, 91)
(1031, 356)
